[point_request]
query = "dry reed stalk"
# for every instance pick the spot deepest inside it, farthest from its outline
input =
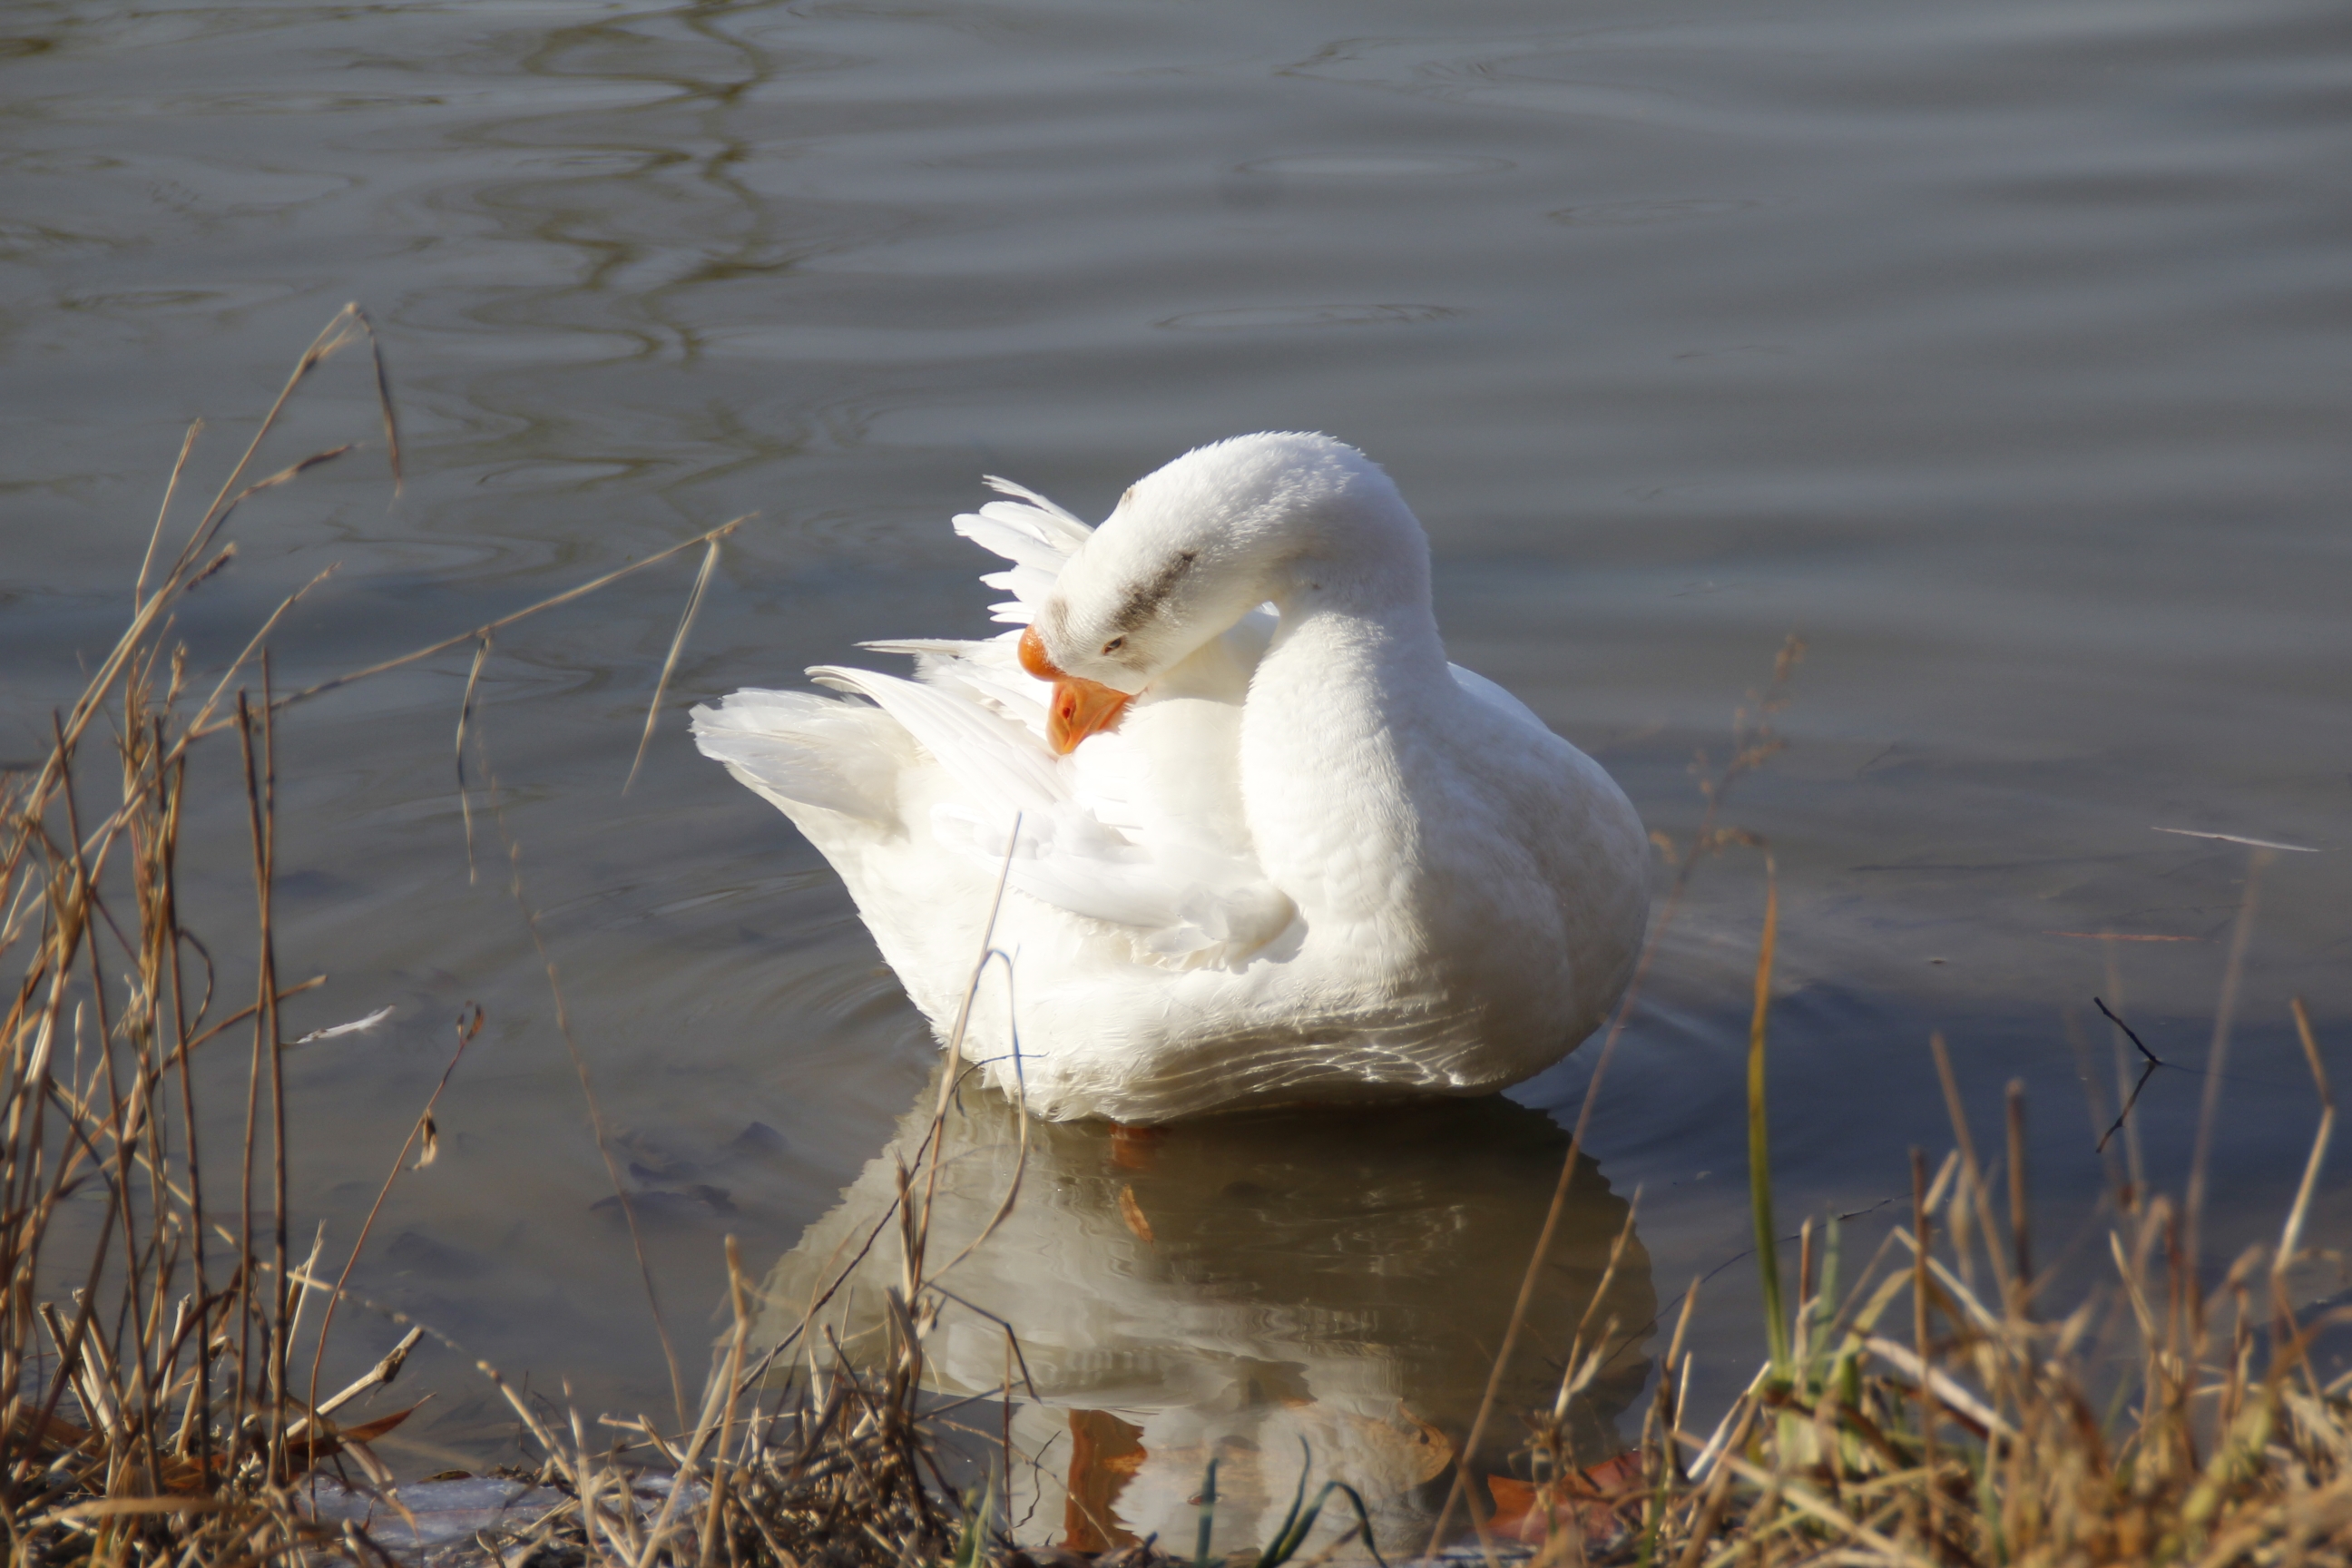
(149, 1412)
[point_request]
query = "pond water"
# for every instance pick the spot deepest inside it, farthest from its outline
(2003, 351)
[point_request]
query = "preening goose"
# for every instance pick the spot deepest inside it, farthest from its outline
(1271, 847)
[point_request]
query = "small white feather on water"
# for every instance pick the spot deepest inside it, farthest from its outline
(2240, 838)
(356, 1026)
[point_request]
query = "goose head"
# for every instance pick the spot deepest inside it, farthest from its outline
(1193, 547)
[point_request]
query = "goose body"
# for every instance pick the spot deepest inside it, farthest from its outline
(1291, 854)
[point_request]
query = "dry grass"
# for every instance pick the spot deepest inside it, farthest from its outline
(156, 1409)
(151, 1409)
(1935, 1410)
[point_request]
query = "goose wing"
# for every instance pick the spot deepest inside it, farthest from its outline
(1090, 834)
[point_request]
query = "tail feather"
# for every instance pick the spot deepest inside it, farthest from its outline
(807, 750)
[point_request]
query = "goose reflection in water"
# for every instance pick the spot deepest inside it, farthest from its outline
(1225, 1288)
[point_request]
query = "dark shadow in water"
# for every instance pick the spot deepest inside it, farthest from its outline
(1228, 1287)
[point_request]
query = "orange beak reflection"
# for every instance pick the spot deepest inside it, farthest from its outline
(1078, 708)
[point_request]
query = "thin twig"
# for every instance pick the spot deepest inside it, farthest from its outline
(2216, 1056)
(469, 1023)
(486, 627)
(588, 1092)
(677, 647)
(171, 488)
(2129, 1033)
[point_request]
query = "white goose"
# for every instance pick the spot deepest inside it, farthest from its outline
(1271, 847)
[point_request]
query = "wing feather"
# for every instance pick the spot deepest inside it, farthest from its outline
(994, 758)
(1094, 839)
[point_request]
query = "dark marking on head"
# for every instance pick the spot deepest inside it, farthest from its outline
(1145, 599)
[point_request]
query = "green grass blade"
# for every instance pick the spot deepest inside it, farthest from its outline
(1294, 1535)
(1284, 1543)
(971, 1548)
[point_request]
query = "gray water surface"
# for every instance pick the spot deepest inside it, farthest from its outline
(2002, 349)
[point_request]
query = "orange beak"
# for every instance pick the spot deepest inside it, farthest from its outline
(1078, 708)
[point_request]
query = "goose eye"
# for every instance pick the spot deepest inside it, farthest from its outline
(1114, 645)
